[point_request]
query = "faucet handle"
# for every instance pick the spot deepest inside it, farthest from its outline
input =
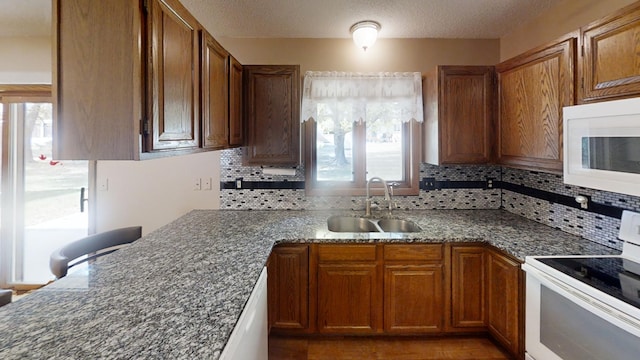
(391, 186)
(392, 203)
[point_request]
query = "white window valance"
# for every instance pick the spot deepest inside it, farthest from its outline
(354, 90)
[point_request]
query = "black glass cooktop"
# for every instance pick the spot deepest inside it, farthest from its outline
(603, 273)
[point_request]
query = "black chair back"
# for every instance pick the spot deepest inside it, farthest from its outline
(5, 296)
(93, 245)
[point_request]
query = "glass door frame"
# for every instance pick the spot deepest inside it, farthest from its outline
(10, 198)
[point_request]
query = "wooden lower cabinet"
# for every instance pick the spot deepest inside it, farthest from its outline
(396, 289)
(288, 288)
(348, 289)
(348, 298)
(504, 301)
(468, 287)
(414, 290)
(413, 298)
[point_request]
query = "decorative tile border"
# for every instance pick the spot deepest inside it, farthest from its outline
(594, 226)
(560, 199)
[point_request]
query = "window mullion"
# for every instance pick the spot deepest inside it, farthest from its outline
(360, 153)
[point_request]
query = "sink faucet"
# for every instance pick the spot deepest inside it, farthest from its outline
(367, 201)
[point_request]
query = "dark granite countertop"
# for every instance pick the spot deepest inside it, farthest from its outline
(178, 292)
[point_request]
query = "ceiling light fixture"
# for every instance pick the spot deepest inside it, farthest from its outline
(365, 33)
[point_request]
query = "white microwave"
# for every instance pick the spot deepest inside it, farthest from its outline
(602, 146)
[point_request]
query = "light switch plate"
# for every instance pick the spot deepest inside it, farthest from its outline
(197, 184)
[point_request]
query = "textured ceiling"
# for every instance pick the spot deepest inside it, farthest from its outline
(488, 19)
(479, 19)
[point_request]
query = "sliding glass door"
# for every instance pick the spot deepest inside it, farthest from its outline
(43, 199)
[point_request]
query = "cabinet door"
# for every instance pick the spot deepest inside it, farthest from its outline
(413, 298)
(465, 114)
(288, 278)
(533, 89)
(215, 93)
(175, 77)
(97, 80)
(503, 300)
(236, 136)
(611, 61)
(468, 287)
(348, 299)
(272, 109)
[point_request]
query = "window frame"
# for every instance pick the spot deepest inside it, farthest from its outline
(12, 205)
(411, 143)
(9, 221)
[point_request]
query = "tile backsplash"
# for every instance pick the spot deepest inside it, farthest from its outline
(594, 226)
(458, 187)
(295, 199)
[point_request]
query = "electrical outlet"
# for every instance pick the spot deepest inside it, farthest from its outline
(429, 183)
(238, 183)
(206, 183)
(197, 184)
(489, 184)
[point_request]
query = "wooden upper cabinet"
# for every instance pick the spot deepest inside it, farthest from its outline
(459, 115)
(174, 76)
(272, 111)
(215, 93)
(236, 135)
(533, 88)
(610, 64)
(97, 80)
(126, 79)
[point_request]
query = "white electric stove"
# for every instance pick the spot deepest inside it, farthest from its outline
(586, 307)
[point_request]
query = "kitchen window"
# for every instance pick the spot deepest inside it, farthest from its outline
(358, 126)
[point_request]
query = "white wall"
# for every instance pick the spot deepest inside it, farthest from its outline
(152, 193)
(25, 60)
(342, 55)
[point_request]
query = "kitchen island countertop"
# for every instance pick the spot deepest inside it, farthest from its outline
(178, 292)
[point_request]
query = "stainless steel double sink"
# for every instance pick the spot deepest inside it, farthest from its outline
(352, 224)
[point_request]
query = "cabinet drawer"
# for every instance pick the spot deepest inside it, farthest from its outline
(425, 252)
(347, 253)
